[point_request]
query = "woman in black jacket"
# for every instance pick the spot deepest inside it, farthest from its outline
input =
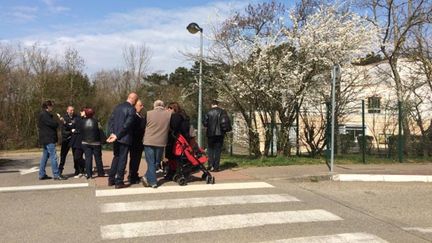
(179, 124)
(91, 143)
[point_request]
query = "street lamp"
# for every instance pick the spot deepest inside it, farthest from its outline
(193, 28)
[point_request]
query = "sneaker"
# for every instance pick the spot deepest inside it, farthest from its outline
(60, 178)
(144, 182)
(45, 177)
(154, 186)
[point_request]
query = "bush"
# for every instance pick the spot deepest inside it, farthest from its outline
(369, 144)
(347, 143)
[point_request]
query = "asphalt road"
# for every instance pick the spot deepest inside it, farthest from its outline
(386, 211)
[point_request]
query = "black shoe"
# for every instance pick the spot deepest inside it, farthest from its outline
(45, 177)
(154, 186)
(119, 186)
(76, 172)
(110, 183)
(60, 178)
(135, 181)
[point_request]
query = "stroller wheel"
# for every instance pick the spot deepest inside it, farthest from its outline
(204, 176)
(181, 181)
(175, 177)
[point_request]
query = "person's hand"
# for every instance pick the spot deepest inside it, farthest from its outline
(112, 138)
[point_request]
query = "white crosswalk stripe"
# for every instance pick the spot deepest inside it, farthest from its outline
(195, 202)
(223, 222)
(339, 238)
(141, 226)
(189, 188)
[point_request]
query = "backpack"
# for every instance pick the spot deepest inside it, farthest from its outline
(225, 123)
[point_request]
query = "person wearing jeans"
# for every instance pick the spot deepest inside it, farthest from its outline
(155, 139)
(48, 138)
(153, 156)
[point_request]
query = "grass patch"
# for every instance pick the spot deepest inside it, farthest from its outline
(248, 161)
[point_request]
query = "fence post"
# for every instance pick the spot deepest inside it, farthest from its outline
(232, 135)
(400, 140)
(297, 130)
(327, 136)
(364, 133)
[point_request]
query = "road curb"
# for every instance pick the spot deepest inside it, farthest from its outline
(381, 178)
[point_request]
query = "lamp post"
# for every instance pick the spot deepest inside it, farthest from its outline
(193, 28)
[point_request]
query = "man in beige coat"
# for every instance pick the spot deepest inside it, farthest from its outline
(155, 140)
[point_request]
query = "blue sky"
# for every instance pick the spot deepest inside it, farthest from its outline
(100, 29)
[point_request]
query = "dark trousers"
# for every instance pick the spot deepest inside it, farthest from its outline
(79, 162)
(63, 153)
(214, 150)
(118, 165)
(89, 152)
(136, 152)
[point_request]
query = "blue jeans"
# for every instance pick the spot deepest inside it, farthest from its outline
(49, 151)
(153, 156)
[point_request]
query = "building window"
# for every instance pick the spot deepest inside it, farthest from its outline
(374, 104)
(352, 130)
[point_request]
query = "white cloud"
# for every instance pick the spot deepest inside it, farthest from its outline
(53, 7)
(163, 31)
(21, 14)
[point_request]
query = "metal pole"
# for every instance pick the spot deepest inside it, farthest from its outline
(364, 133)
(200, 92)
(335, 73)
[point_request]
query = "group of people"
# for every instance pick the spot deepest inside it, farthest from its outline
(131, 134)
(81, 133)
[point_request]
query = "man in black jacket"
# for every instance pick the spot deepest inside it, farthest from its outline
(217, 123)
(120, 128)
(48, 139)
(68, 124)
(137, 146)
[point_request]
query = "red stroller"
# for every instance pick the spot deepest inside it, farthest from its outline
(190, 159)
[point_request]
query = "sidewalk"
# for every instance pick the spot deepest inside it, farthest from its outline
(222, 176)
(304, 172)
(321, 172)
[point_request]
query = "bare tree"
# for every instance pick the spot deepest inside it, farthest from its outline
(137, 63)
(398, 20)
(73, 64)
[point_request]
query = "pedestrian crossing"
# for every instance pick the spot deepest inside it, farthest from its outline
(261, 211)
